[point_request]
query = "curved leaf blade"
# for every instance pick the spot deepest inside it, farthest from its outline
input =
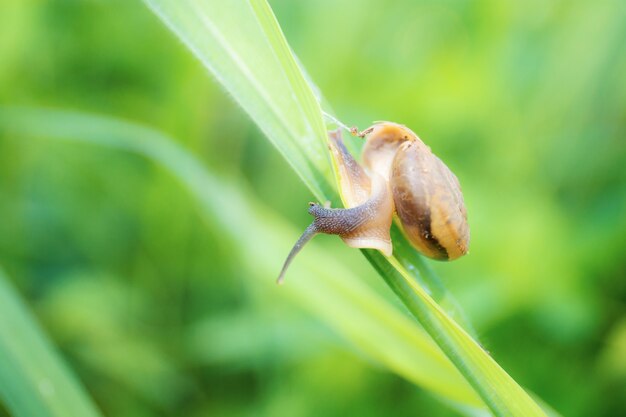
(242, 46)
(33, 379)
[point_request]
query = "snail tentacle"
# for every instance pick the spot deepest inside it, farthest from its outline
(308, 234)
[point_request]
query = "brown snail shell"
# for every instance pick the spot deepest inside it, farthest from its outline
(429, 203)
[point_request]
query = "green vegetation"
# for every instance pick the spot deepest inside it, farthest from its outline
(150, 263)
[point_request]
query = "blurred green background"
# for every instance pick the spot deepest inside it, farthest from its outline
(149, 305)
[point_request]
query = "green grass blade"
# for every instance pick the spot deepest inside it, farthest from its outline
(499, 391)
(324, 287)
(240, 42)
(33, 379)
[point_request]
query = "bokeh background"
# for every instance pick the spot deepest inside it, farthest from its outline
(148, 304)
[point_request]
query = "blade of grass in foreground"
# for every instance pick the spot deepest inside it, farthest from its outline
(33, 379)
(325, 287)
(247, 33)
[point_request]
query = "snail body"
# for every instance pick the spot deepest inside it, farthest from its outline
(400, 175)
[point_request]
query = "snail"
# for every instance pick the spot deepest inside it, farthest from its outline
(400, 175)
